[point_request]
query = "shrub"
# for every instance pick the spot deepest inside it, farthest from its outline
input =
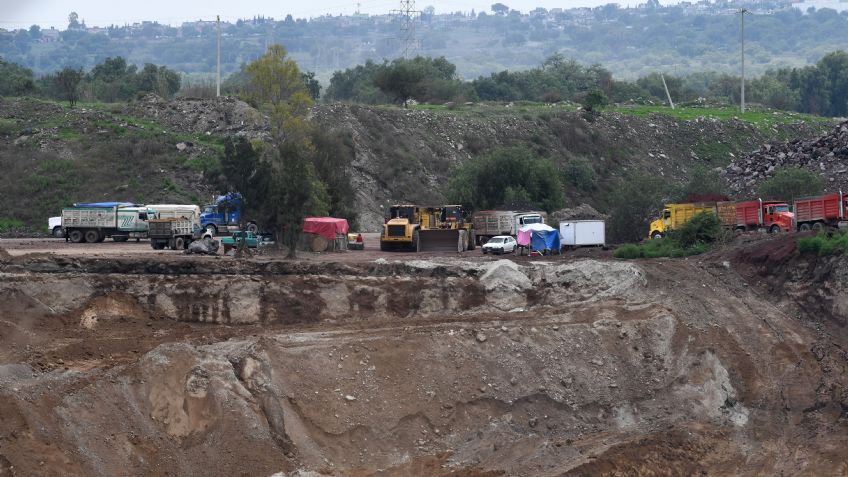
(595, 99)
(824, 243)
(789, 183)
(632, 203)
(628, 251)
(9, 225)
(704, 228)
(580, 174)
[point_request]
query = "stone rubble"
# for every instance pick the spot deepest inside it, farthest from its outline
(826, 156)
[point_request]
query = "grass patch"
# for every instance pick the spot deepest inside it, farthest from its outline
(9, 224)
(759, 116)
(824, 244)
(664, 247)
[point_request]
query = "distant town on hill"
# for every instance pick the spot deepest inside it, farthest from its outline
(629, 41)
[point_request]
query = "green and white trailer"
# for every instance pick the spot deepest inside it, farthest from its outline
(95, 224)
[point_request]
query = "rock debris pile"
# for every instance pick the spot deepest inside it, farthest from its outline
(826, 155)
(223, 115)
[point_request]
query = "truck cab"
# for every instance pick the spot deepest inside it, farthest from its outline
(660, 226)
(777, 214)
(224, 214)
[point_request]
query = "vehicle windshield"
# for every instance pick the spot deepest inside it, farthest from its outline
(210, 209)
(452, 213)
(401, 212)
(497, 240)
(532, 220)
(781, 208)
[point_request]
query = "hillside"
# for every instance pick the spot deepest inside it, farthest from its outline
(153, 150)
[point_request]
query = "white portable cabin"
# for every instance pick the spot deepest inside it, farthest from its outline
(577, 233)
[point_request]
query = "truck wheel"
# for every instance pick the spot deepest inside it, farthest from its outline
(75, 236)
(805, 227)
(416, 244)
(212, 229)
(472, 240)
(92, 236)
(656, 236)
(252, 227)
(775, 229)
(463, 241)
(179, 243)
(58, 232)
(818, 226)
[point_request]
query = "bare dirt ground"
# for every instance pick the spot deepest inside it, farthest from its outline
(122, 360)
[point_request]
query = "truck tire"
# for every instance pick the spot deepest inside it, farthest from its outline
(179, 243)
(76, 236)
(212, 229)
(463, 241)
(818, 226)
(252, 227)
(805, 227)
(58, 232)
(472, 240)
(656, 235)
(416, 244)
(775, 229)
(92, 236)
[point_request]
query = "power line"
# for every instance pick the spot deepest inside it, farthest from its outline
(407, 14)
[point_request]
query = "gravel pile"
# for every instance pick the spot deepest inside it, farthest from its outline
(826, 155)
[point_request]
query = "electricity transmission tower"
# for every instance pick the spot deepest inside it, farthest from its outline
(742, 12)
(407, 14)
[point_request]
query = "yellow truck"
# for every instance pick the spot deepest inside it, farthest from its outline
(675, 215)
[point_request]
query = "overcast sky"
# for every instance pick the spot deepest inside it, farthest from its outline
(47, 13)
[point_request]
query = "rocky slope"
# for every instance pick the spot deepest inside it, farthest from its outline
(437, 367)
(826, 156)
(153, 150)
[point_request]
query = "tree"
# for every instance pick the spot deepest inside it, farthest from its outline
(159, 80)
(511, 177)
(312, 85)
(35, 32)
(632, 205)
(274, 83)
(790, 183)
(419, 78)
(594, 99)
(68, 81)
(73, 21)
(704, 185)
(15, 80)
(500, 9)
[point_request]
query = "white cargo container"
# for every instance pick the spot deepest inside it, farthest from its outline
(578, 233)
(177, 211)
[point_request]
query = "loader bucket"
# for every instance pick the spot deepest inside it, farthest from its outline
(451, 240)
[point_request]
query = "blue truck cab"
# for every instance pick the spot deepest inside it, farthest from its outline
(224, 214)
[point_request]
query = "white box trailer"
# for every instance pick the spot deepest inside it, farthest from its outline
(578, 233)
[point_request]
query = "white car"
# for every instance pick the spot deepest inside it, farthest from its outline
(500, 244)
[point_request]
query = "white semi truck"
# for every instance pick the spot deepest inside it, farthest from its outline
(490, 223)
(93, 223)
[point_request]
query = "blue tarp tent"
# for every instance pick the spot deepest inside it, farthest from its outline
(539, 237)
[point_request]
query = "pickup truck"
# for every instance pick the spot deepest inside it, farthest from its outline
(233, 241)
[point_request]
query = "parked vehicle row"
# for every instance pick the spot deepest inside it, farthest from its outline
(807, 213)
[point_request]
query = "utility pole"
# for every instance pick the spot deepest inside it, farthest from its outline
(742, 12)
(218, 76)
(668, 95)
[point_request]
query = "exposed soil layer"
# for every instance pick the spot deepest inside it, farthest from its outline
(440, 366)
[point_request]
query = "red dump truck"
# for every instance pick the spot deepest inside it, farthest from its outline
(816, 213)
(770, 215)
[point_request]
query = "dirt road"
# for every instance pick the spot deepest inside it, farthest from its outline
(445, 365)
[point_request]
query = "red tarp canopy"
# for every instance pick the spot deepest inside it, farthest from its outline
(326, 227)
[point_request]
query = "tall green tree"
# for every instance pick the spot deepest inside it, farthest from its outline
(275, 84)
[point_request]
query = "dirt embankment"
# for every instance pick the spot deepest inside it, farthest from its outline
(429, 367)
